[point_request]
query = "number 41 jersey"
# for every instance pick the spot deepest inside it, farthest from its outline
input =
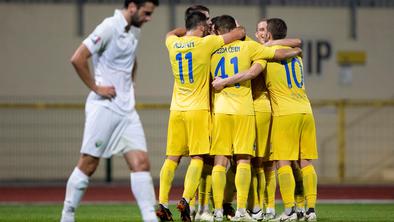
(229, 60)
(285, 83)
(190, 62)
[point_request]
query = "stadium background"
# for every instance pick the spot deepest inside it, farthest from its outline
(41, 97)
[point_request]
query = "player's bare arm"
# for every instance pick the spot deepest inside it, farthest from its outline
(178, 32)
(80, 62)
(285, 42)
(219, 83)
(235, 34)
(281, 54)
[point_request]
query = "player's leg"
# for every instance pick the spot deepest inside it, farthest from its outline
(197, 124)
(309, 176)
(244, 134)
(176, 147)
(77, 184)
(132, 144)
(270, 190)
(229, 191)
(167, 173)
(263, 127)
(299, 190)
(284, 151)
(242, 184)
(141, 183)
(257, 189)
(99, 124)
(221, 149)
(204, 191)
(219, 184)
(193, 174)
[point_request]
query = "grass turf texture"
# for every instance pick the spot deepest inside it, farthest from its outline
(125, 212)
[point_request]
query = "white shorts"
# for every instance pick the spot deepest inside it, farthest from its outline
(107, 132)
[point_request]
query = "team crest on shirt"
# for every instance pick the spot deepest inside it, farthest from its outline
(98, 143)
(95, 39)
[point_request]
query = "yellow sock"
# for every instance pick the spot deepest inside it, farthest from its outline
(192, 178)
(299, 187)
(286, 185)
(204, 190)
(192, 202)
(218, 185)
(261, 187)
(309, 177)
(166, 176)
(230, 186)
(242, 183)
(208, 189)
(253, 197)
(271, 188)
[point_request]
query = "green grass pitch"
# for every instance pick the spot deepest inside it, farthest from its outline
(126, 212)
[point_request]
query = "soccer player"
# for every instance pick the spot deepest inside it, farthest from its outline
(188, 127)
(263, 173)
(233, 121)
(293, 120)
(112, 124)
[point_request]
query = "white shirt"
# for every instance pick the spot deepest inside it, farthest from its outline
(113, 53)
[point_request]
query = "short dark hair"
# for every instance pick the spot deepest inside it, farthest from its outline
(224, 23)
(195, 8)
(140, 2)
(195, 19)
(277, 27)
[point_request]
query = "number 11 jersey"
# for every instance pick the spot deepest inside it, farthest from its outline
(190, 62)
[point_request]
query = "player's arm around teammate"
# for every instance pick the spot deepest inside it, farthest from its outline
(188, 129)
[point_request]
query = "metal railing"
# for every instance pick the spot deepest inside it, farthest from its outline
(351, 134)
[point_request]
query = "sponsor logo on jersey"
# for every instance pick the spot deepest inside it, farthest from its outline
(95, 39)
(98, 143)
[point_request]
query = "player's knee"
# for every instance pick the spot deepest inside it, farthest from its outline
(139, 162)
(142, 166)
(305, 162)
(88, 164)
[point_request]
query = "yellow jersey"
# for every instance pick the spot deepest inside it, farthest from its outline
(190, 60)
(286, 86)
(261, 98)
(229, 60)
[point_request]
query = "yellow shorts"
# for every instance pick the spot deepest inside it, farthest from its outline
(263, 128)
(293, 137)
(188, 133)
(233, 134)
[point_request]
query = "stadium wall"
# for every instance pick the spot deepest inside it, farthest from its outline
(38, 40)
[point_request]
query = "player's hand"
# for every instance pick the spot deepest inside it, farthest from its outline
(106, 91)
(299, 52)
(218, 83)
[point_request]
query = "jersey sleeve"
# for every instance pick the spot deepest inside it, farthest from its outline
(99, 38)
(170, 39)
(259, 51)
(213, 42)
(261, 62)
